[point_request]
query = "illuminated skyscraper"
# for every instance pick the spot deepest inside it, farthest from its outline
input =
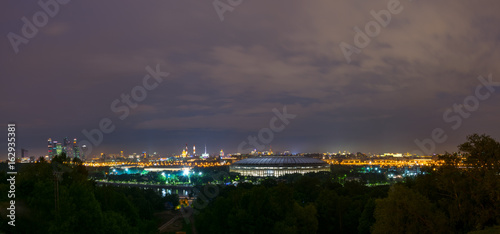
(84, 149)
(71, 149)
(66, 142)
(56, 148)
(59, 148)
(76, 150)
(49, 147)
(221, 153)
(66, 148)
(194, 150)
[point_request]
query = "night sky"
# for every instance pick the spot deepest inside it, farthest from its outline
(225, 77)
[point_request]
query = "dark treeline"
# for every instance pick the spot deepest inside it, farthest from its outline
(459, 197)
(81, 207)
(310, 204)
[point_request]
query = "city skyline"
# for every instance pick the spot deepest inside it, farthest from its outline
(384, 76)
(56, 147)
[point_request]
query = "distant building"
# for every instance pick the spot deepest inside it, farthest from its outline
(205, 155)
(58, 148)
(71, 149)
(24, 153)
(76, 150)
(49, 148)
(82, 153)
(278, 166)
(393, 155)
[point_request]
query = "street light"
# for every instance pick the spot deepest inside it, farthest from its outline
(186, 173)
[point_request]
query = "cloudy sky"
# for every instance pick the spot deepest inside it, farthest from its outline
(226, 76)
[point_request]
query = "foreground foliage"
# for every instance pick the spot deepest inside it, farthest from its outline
(312, 204)
(81, 206)
(461, 196)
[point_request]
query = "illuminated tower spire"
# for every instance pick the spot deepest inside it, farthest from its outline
(194, 150)
(205, 155)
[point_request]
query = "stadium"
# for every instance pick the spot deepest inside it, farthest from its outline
(277, 166)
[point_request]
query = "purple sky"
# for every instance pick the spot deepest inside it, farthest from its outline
(227, 76)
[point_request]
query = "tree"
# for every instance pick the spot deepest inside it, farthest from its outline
(41, 159)
(406, 211)
(468, 197)
(61, 158)
(367, 219)
(482, 152)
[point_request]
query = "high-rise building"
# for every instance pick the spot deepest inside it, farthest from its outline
(66, 142)
(221, 153)
(66, 148)
(194, 150)
(58, 148)
(76, 150)
(49, 148)
(71, 149)
(24, 153)
(82, 153)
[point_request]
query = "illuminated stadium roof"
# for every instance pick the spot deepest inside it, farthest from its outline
(278, 166)
(280, 161)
